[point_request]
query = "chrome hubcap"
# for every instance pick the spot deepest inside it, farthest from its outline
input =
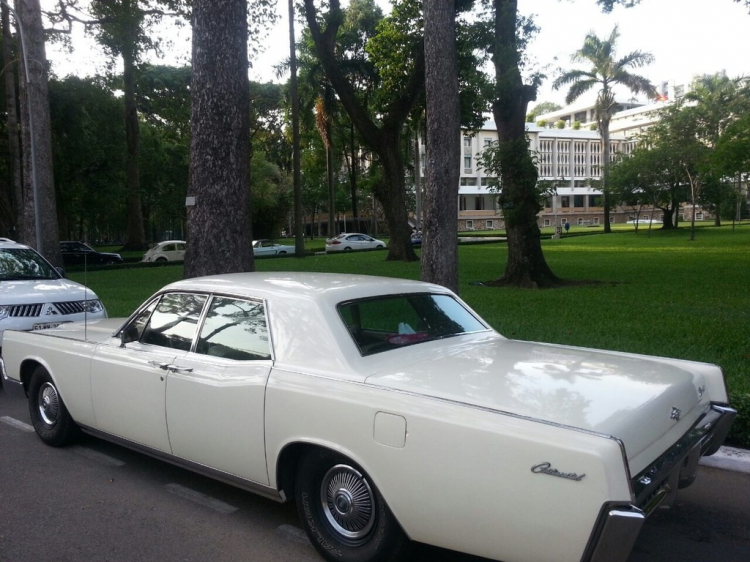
(49, 404)
(348, 502)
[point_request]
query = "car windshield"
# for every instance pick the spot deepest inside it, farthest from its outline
(388, 322)
(23, 264)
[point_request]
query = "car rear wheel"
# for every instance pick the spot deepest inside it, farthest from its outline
(49, 416)
(347, 249)
(161, 259)
(343, 513)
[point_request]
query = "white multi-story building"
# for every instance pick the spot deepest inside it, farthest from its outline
(569, 156)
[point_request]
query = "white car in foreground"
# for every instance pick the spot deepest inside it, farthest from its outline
(387, 409)
(169, 250)
(353, 241)
(34, 295)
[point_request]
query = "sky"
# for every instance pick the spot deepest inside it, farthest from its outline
(686, 38)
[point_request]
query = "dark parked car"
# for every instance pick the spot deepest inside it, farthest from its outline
(78, 253)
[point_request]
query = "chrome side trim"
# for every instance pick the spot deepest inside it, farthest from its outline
(231, 479)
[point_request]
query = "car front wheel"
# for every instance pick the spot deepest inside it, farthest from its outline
(343, 512)
(49, 416)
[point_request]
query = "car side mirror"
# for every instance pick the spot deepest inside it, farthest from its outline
(61, 271)
(128, 334)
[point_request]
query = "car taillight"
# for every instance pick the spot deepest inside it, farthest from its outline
(336, 242)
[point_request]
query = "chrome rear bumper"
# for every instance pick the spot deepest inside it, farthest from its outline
(619, 523)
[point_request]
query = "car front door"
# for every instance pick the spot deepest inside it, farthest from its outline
(215, 404)
(128, 382)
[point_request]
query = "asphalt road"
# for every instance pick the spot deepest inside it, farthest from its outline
(102, 503)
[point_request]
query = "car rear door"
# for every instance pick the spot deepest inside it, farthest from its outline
(215, 402)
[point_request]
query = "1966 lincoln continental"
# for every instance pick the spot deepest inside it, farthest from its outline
(387, 409)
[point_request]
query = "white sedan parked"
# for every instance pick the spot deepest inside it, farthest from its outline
(353, 241)
(387, 409)
(169, 250)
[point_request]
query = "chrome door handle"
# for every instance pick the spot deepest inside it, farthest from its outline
(163, 366)
(178, 369)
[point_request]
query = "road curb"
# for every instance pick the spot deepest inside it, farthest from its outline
(729, 458)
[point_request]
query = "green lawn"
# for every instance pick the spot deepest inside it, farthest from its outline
(659, 294)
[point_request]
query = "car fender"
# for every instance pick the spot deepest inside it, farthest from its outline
(463, 478)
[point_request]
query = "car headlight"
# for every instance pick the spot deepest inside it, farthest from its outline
(93, 306)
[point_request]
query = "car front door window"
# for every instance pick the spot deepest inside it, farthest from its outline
(174, 321)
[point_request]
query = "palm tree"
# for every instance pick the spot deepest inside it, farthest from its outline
(605, 71)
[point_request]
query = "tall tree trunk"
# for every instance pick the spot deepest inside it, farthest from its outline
(15, 195)
(439, 262)
(299, 235)
(40, 217)
(606, 150)
(136, 238)
(526, 266)
(353, 177)
(219, 231)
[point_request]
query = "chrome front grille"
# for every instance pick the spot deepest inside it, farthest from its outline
(25, 310)
(35, 310)
(73, 307)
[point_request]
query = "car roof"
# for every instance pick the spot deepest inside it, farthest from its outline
(8, 243)
(332, 287)
(171, 242)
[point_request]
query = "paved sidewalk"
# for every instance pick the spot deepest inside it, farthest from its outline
(729, 458)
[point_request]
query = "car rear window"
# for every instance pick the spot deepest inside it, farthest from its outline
(389, 322)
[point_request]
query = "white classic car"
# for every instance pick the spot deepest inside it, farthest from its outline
(265, 247)
(169, 250)
(387, 409)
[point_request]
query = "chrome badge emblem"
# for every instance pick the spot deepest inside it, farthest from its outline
(701, 390)
(675, 415)
(50, 311)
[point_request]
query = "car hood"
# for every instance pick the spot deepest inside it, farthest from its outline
(43, 291)
(625, 396)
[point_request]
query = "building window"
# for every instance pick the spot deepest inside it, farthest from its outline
(563, 158)
(565, 201)
(489, 181)
(578, 201)
(595, 200)
(479, 203)
(468, 181)
(467, 164)
(611, 219)
(580, 117)
(580, 183)
(487, 142)
(546, 222)
(563, 221)
(469, 225)
(548, 203)
(545, 158)
(467, 145)
(699, 216)
(596, 220)
(489, 224)
(580, 220)
(596, 159)
(462, 203)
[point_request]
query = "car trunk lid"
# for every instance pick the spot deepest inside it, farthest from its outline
(645, 402)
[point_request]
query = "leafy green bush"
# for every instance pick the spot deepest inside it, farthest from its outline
(560, 124)
(740, 433)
